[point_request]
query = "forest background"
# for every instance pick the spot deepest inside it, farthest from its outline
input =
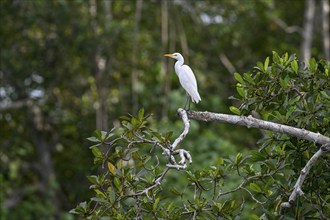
(71, 67)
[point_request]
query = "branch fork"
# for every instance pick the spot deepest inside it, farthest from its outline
(183, 154)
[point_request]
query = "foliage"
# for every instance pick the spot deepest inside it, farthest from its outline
(285, 91)
(130, 185)
(297, 94)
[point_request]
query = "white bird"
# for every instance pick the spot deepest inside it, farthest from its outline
(186, 78)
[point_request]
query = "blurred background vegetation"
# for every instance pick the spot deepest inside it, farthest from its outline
(71, 67)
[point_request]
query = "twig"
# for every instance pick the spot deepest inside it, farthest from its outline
(157, 182)
(177, 166)
(226, 62)
(285, 27)
(297, 191)
(246, 180)
(252, 196)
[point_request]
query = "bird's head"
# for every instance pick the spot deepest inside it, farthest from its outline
(176, 56)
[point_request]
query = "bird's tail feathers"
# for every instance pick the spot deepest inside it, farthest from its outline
(196, 97)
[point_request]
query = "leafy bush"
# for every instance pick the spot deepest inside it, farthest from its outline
(292, 93)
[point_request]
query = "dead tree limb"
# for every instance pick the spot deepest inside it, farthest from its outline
(251, 122)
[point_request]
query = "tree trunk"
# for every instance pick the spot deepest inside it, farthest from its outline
(165, 64)
(134, 76)
(45, 164)
(325, 29)
(308, 30)
(101, 112)
(100, 73)
(183, 38)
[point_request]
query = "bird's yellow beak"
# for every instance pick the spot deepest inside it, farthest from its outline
(168, 55)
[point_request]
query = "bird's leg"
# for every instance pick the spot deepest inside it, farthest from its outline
(187, 102)
(185, 105)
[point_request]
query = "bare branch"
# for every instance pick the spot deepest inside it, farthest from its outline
(251, 122)
(185, 120)
(252, 196)
(177, 166)
(226, 62)
(287, 28)
(246, 180)
(157, 182)
(297, 191)
(4, 106)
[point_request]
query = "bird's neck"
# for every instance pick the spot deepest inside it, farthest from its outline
(178, 65)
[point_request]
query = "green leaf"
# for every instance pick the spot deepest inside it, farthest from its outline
(248, 77)
(117, 183)
(98, 134)
(266, 63)
(134, 122)
(240, 90)
(269, 192)
(286, 57)
(255, 187)
(312, 65)
(100, 194)
(93, 179)
(285, 82)
(325, 95)
(238, 158)
(294, 66)
(176, 192)
(96, 152)
(239, 78)
(157, 135)
(83, 205)
(276, 58)
(235, 110)
(154, 206)
(261, 66)
(254, 217)
(217, 206)
(81, 209)
(290, 111)
(141, 114)
(93, 139)
(103, 135)
(125, 118)
(168, 135)
(257, 156)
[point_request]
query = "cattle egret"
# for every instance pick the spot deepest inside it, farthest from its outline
(186, 77)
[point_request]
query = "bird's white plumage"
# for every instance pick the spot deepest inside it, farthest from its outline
(186, 77)
(188, 82)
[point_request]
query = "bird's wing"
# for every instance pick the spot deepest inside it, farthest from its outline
(188, 82)
(187, 76)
